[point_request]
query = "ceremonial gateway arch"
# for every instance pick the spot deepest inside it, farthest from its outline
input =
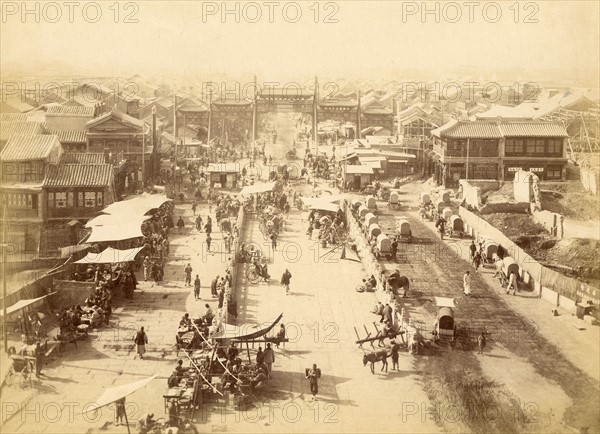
(243, 116)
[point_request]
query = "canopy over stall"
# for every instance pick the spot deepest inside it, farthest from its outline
(245, 332)
(139, 205)
(123, 231)
(258, 188)
(110, 256)
(22, 304)
(320, 204)
(115, 219)
(116, 393)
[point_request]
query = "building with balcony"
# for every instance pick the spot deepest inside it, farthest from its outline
(73, 193)
(117, 133)
(496, 150)
(25, 160)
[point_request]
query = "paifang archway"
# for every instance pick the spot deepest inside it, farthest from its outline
(240, 119)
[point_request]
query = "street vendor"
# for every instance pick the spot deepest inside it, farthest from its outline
(185, 321)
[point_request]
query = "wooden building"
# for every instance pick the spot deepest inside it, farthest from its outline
(25, 160)
(496, 150)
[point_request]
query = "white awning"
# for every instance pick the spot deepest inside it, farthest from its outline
(110, 256)
(124, 231)
(115, 393)
(138, 205)
(359, 170)
(320, 204)
(23, 304)
(115, 219)
(258, 188)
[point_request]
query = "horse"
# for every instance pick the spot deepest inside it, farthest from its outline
(378, 356)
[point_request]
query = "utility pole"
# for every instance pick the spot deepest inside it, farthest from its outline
(209, 117)
(155, 150)
(358, 123)
(4, 278)
(315, 120)
(144, 155)
(254, 108)
(467, 169)
(183, 139)
(175, 132)
(254, 118)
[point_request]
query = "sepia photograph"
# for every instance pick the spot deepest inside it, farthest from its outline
(309, 216)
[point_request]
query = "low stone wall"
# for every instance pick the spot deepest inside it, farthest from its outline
(472, 190)
(550, 285)
(512, 208)
(552, 221)
(370, 263)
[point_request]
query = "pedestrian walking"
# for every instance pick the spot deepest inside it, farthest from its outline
(208, 227)
(194, 206)
(273, 241)
(269, 359)
(313, 375)
(180, 224)
(208, 240)
(119, 411)
(39, 358)
(476, 260)
(395, 355)
(481, 343)
(147, 268)
(394, 248)
(472, 249)
(141, 339)
(199, 223)
(512, 283)
(197, 288)
(260, 356)
(309, 231)
(188, 275)
(467, 283)
(213, 286)
(285, 280)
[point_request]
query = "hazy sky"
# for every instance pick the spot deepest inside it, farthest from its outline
(369, 38)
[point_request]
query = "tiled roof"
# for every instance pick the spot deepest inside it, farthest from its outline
(531, 129)
(8, 117)
(85, 101)
(82, 158)
(377, 110)
(17, 104)
(338, 103)
(79, 175)
(7, 129)
(117, 114)
(70, 136)
(28, 147)
(492, 130)
(63, 110)
(480, 130)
